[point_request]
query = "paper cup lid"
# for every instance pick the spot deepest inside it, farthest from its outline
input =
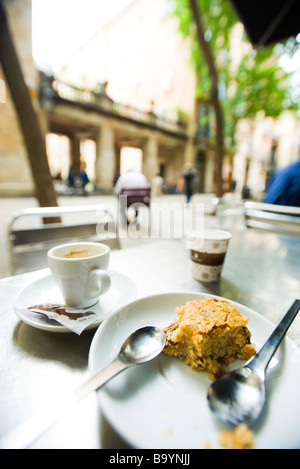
(209, 233)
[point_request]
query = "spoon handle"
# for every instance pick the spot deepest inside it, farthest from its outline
(262, 359)
(101, 377)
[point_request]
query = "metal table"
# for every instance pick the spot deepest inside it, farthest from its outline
(261, 271)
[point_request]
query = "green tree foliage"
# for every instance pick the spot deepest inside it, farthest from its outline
(250, 81)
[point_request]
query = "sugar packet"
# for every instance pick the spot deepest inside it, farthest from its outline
(74, 319)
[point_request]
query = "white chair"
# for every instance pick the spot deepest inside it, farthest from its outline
(29, 238)
(276, 218)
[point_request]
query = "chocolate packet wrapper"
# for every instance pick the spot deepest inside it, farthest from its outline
(77, 320)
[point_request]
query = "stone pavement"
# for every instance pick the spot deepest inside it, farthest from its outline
(170, 217)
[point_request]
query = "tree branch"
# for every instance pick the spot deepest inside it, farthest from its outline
(213, 74)
(29, 125)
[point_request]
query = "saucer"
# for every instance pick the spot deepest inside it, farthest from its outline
(45, 290)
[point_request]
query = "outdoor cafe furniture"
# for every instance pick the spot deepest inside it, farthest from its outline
(29, 239)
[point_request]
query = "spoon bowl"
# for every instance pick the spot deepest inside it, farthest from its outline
(142, 345)
(239, 396)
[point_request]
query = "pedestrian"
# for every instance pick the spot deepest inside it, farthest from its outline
(84, 178)
(186, 181)
(71, 177)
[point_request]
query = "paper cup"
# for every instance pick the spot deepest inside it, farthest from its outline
(207, 254)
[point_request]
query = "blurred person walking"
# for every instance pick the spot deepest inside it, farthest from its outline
(186, 181)
(84, 179)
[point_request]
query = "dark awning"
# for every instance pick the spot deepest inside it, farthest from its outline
(267, 22)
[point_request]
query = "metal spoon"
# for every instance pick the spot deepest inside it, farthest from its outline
(140, 347)
(239, 396)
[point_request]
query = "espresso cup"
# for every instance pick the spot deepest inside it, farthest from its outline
(207, 254)
(80, 270)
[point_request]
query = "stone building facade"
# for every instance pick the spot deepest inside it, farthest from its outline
(130, 85)
(164, 96)
(146, 66)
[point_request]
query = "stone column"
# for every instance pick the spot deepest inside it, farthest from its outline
(150, 160)
(189, 152)
(105, 158)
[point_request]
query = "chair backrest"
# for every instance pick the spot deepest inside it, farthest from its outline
(276, 218)
(29, 238)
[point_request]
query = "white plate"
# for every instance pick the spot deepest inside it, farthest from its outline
(162, 404)
(45, 289)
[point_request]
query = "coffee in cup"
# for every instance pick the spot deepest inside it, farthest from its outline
(80, 270)
(207, 254)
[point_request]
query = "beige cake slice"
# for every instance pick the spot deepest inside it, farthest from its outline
(208, 335)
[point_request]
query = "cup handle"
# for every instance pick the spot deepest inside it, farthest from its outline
(100, 276)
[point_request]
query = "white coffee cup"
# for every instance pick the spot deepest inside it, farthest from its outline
(80, 270)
